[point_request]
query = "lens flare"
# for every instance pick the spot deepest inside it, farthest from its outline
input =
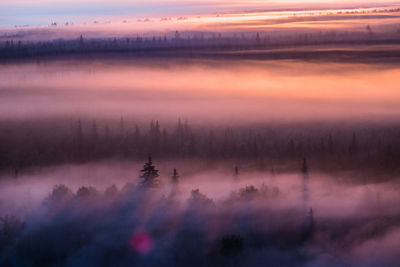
(141, 243)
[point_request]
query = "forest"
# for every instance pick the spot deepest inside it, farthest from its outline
(231, 138)
(274, 147)
(153, 221)
(266, 45)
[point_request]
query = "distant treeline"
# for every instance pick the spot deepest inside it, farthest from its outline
(198, 44)
(266, 147)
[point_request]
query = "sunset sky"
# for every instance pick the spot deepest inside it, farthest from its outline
(43, 12)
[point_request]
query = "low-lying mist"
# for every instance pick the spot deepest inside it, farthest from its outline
(250, 162)
(203, 91)
(103, 214)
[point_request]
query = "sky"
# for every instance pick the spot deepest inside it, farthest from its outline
(43, 12)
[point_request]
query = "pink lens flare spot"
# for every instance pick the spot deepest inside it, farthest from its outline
(141, 243)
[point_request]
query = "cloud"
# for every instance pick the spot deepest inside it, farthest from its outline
(36, 12)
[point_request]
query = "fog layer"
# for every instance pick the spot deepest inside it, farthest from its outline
(200, 90)
(208, 218)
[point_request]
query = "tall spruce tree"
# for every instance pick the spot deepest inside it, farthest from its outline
(149, 174)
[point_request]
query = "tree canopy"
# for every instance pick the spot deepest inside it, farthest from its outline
(149, 174)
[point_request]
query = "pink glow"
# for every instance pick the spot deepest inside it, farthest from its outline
(141, 243)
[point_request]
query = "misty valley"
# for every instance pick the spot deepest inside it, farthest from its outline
(120, 162)
(199, 133)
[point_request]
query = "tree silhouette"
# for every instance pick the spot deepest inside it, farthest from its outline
(258, 39)
(353, 145)
(149, 174)
(79, 141)
(304, 166)
(86, 192)
(175, 177)
(330, 145)
(309, 226)
(121, 127)
(111, 191)
(81, 41)
(177, 36)
(311, 220)
(60, 195)
(231, 245)
(198, 199)
(94, 140)
(9, 226)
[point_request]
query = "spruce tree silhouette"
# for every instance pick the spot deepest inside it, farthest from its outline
(304, 166)
(175, 177)
(81, 41)
(149, 174)
(236, 171)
